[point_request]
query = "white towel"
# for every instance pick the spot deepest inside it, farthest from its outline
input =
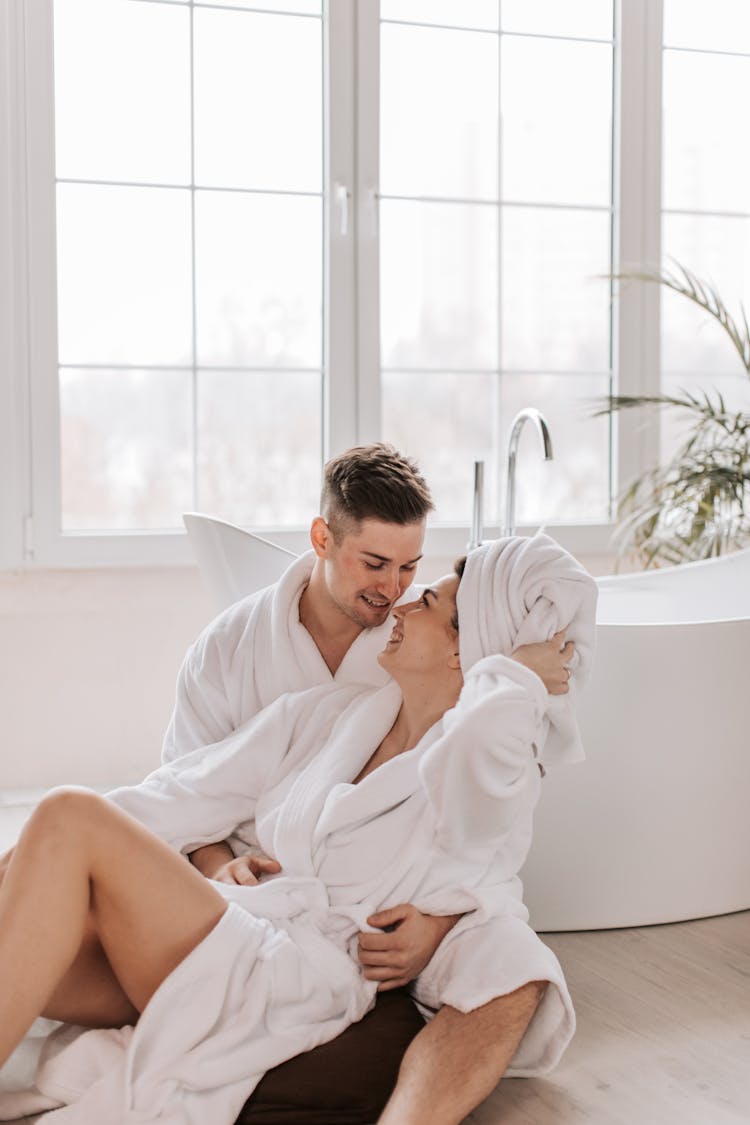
(536, 589)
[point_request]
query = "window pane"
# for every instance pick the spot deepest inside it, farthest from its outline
(556, 308)
(453, 13)
(259, 442)
(588, 18)
(259, 288)
(722, 25)
(438, 137)
(706, 160)
(124, 293)
(258, 92)
(107, 125)
(575, 485)
(438, 285)
(674, 424)
(302, 7)
(126, 458)
(717, 250)
(446, 421)
(556, 149)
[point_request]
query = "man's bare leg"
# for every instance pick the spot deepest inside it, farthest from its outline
(456, 1061)
(84, 870)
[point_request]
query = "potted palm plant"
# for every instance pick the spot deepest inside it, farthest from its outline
(697, 504)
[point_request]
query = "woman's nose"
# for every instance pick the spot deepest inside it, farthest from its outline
(400, 611)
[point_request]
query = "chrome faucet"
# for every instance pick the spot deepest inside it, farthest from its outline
(477, 529)
(528, 414)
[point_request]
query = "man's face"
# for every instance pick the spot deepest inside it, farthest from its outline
(369, 569)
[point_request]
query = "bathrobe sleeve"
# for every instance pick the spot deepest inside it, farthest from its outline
(204, 796)
(208, 701)
(481, 776)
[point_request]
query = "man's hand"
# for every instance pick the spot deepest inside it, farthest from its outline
(398, 956)
(246, 870)
(216, 861)
(549, 660)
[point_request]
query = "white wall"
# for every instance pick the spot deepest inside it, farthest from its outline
(88, 663)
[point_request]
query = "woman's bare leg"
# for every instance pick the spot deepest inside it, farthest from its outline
(89, 993)
(83, 867)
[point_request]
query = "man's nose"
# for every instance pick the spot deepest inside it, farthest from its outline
(388, 584)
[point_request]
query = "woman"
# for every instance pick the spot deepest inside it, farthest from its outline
(100, 920)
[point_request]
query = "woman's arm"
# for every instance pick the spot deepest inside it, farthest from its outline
(549, 660)
(481, 775)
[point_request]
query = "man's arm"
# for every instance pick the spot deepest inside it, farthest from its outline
(210, 858)
(202, 709)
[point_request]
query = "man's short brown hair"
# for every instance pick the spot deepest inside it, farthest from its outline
(372, 482)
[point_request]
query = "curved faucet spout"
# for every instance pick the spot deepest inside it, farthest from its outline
(528, 414)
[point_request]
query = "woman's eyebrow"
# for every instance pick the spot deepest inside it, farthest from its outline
(427, 590)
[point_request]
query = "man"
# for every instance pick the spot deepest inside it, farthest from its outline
(325, 620)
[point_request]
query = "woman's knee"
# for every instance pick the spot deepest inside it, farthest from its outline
(68, 810)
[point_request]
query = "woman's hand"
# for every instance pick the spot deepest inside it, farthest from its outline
(398, 956)
(246, 870)
(549, 660)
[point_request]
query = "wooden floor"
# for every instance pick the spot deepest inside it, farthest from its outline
(663, 1031)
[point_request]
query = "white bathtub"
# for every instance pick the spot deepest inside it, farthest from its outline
(655, 825)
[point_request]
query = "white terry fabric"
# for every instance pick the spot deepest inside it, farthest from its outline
(251, 654)
(279, 974)
(542, 589)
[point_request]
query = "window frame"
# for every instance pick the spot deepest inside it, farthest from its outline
(29, 407)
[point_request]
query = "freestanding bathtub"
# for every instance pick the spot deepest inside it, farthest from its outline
(655, 825)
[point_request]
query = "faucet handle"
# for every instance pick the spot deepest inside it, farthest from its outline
(477, 512)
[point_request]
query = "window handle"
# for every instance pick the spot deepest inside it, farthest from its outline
(373, 203)
(341, 195)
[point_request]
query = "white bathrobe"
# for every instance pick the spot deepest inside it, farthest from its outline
(437, 826)
(446, 826)
(251, 654)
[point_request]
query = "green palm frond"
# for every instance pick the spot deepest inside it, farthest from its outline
(684, 282)
(698, 504)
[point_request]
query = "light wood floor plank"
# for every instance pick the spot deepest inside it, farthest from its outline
(663, 1031)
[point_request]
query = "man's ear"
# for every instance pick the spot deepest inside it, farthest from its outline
(454, 662)
(321, 537)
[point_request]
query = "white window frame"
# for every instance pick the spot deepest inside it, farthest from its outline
(29, 411)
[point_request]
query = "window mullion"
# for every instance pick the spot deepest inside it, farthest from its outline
(42, 279)
(638, 235)
(15, 452)
(367, 221)
(339, 282)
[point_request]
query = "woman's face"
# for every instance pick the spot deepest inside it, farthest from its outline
(424, 638)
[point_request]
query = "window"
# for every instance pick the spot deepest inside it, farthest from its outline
(706, 172)
(242, 235)
(496, 221)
